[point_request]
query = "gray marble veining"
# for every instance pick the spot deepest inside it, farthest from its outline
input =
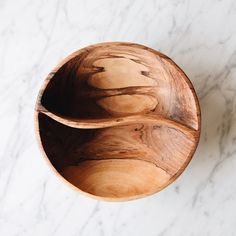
(199, 35)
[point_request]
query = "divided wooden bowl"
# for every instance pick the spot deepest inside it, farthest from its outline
(117, 120)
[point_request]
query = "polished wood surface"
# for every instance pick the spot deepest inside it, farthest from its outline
(118, 120)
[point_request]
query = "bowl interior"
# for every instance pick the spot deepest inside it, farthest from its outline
(126, 83)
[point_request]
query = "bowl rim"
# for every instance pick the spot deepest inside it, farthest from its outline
(54, 170)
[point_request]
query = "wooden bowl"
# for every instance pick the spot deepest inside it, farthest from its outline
(118, 120)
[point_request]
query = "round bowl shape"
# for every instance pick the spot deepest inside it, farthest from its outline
(118, 120)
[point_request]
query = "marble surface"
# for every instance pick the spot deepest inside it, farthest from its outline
(199, 35)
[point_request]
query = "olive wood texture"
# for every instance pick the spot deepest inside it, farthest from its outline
(118, 120)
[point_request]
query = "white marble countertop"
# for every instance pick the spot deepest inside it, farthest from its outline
(199, 35)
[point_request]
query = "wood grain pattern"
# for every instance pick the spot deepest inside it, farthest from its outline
(118, 120)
